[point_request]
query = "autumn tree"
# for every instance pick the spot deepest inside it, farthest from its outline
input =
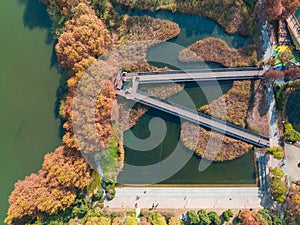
(85, 38)
(67, 167)
(65, 7)
(293, 203)
(292, 74)
(290, 7)
(50, 190)
(174, 221)
(273, 9)
(247, 218)
(272, 75)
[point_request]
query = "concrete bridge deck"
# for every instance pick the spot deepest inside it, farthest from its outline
(294, 27)
(196, 117)
(197, 75)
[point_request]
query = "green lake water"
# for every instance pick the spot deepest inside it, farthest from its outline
(192, 28)
(293, 109)
(239, 171)
(28, 86)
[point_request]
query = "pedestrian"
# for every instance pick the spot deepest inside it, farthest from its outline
(137, 197)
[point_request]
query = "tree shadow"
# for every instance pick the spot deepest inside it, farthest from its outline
(36, 17)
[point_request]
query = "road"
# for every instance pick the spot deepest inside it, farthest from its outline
(190, 198)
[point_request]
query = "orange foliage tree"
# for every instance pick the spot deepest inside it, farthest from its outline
(85, 38)
(247, 218)
(52, 189)
(290, 7)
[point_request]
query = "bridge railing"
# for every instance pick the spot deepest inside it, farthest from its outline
(201, 70)
(203, 115)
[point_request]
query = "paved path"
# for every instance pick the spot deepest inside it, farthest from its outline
(191, 198)
(292, 158)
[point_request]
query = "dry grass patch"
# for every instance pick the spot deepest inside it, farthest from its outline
(211, 145)
(257, 118)
(236, 101)
(216, 50)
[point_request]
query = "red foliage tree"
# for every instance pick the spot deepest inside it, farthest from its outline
(290, 7)
(292, 73)
(272, 75)
(273, 9)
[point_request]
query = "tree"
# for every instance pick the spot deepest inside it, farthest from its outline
(290, 134)
(52, 189)
(174, 221)
(192, 216)
(117, 221)
(277, 172)
(278, 189)
(292, 74)
(131, 220)
(34, 196)
(227, 214)
(157, 219)
(272, 75)
(215, 219)
(85, 38)
(66, 167)
(290, 7)
(273, 9)
(277, 152)
(203, 217)
(247, 218)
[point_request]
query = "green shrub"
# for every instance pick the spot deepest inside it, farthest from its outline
(277, 152)
(227, 214)
(215, 219)
(157, 219)
(192, 216)
(290, 134)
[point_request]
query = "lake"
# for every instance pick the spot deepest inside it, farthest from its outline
(28, 85)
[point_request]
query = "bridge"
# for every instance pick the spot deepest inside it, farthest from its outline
(190, 115)
(250, 73)
(294, 27)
